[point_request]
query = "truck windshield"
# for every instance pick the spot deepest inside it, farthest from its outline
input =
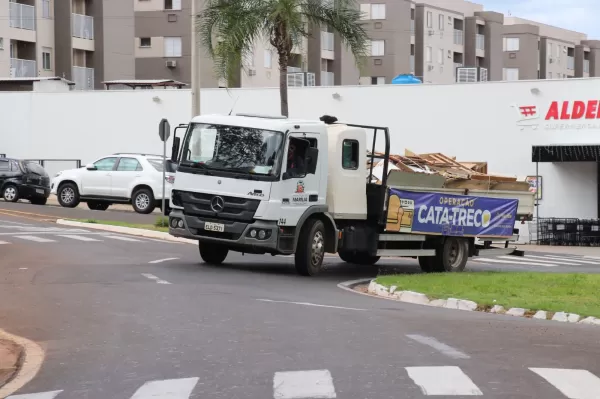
(233, 149)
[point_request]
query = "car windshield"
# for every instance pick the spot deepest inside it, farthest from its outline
(233, 148)
(158, 165)
(35, 168)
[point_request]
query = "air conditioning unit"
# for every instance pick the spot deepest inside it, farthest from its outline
(251, 72)
(430, 67)
(431, 32)
(551, 60)
(171, 64)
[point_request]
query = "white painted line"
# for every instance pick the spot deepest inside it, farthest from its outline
(4, 242)
(589, 262)
(34, 238)
(153, 277)
(162, 260)
(439, 346)
(309, 304)
(445, 380)
(22, 268)
(303, 384)
(512, 262)
(592, 257)
(180, 388)
(122, 238)
(18, 223)
(543, 259)
(79, 238)
(573, 383)
(40, 395)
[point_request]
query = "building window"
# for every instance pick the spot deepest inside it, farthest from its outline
(440, 56)
(511, 74)
(428, 54)
(429, 19)
(172, 4)
(1, 43)
(350, 154)
(378, 11)
(378, 80)
(377, 48)
(441, 22)
(511, 43)
(145, 42)
(172, 47)
(46, 58)
(268, 59)
(46, 9)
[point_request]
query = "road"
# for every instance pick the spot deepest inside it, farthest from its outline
(126, 317)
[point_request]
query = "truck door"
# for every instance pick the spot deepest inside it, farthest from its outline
(299, 190)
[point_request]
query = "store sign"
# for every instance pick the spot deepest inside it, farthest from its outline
(560, 115)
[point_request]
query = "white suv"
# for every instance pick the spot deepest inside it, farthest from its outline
(118, 178)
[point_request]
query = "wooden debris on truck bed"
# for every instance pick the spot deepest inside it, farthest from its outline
(467, 175)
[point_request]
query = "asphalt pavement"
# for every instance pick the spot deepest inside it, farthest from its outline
(129, 317)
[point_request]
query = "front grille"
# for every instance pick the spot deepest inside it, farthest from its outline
(214, 234)
(234, 208)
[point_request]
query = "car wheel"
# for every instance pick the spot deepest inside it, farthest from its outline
(98, 205)
(68, 195)
(143, 201)
(10, 193)
(39, 201)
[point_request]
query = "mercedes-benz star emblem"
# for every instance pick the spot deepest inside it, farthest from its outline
(217, 204)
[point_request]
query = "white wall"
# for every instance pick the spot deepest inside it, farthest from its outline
(474, 122)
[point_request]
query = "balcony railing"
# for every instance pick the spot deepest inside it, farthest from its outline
(571, 63)
(457, 65)
(479, 42)
(22, 16)
(586, 66)
(327, 78)
(83, 78)
(459, 37)
(22, 68)
(326, 41)
(300, 79)
(83, 26)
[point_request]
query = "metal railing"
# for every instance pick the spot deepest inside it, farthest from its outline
(570, 62)
(22, 16)
(83, 78)
(327, 78)
(457, 65)
(586, 66)
(300, 79)
(479, 42)
(326, 41)
(83, 26)
(22, 68)
(459, 37)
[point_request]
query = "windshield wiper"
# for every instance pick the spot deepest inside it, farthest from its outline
(197, 165)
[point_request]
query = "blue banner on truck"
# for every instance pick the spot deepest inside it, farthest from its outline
(451, 215)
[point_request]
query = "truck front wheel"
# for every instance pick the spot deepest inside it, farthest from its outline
(452, 255)
(213, 254)
(310, 249)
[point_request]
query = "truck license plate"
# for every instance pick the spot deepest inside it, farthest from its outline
(214, 227)
(39, 191)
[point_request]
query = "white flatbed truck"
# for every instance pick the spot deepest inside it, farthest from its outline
(271, 185)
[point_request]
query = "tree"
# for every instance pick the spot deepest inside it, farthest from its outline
(229, 29)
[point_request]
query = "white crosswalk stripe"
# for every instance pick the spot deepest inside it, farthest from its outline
(122, 238)
(319, 383)
(511, 262)
(35, 238)
(542, 260)
(78, 237)
(4, 242)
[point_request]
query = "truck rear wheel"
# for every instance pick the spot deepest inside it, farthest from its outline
(310, 249)
(213, 254)
(358, 258)
(452, 255)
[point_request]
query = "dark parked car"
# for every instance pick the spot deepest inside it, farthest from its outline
(23, 180)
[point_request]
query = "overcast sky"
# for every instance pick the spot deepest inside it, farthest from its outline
(577, 15)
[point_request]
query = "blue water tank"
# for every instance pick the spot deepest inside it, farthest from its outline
(406, 79)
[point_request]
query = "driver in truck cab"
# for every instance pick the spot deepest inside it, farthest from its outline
(295, 162)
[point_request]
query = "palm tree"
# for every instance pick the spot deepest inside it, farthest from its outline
(229, 29)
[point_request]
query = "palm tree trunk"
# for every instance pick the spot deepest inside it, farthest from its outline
(283, 87)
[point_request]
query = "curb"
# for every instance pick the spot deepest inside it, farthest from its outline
(126, 230)
(31, 360)
(418, 298)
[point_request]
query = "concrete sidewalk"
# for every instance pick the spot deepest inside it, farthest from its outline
(560, 250)
(10, 359)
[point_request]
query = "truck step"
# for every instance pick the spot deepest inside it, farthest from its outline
(401, 237)
(406, 252)
(499, 251)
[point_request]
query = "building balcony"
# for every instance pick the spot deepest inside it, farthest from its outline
(300, 79)
(586, 66)
(459, 37)
(83, 78)
(327, 45)
(327, 78)
(479, 42)
(571, 63)
(457, 65)
(82, 26)
(23, 68)
(22, 16)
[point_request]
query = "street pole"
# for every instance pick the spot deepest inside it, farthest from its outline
(196, 54)
(163, 209)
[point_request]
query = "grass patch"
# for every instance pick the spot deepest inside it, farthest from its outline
(159, 224)
(553, 292)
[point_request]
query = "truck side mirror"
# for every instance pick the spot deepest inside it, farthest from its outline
(175, 149)
(311, 158)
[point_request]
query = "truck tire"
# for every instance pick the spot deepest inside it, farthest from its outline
(452, 255)
(213, 254)
(358, 258)
(310, 249)
(427, 263)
